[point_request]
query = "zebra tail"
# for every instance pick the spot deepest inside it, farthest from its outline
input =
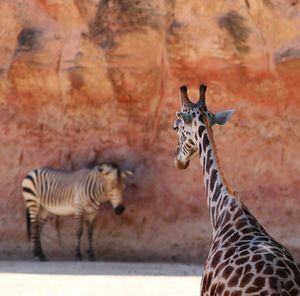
(28, 224)
(58, 230)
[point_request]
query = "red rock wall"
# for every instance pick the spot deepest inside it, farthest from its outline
(82, 81)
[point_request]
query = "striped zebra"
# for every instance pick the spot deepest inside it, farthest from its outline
(79, 193)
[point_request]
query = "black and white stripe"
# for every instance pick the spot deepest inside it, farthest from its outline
(79, 193)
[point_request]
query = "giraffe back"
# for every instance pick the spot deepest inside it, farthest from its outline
(245, 260)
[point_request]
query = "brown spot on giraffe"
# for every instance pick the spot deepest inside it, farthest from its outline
(216, 258)
(246, 279)
(227, 271)
(236, 293)
(205, 142)
(234, 279)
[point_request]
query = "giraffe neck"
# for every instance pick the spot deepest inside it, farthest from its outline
(217, 190)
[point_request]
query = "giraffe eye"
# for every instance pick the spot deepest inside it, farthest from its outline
(176, 124)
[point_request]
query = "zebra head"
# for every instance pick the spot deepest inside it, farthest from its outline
(114, 185)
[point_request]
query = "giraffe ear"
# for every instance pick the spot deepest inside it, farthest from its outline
(222, 117)
(187, 118)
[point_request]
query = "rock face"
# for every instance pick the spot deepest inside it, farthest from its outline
(89, 80)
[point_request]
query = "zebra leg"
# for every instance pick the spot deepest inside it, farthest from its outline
(42, 218)
(90, 230)
(33, 211)
(35, 240)
(34, 231)
(78, 221)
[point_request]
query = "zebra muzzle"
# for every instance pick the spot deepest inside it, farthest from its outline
(119, 209)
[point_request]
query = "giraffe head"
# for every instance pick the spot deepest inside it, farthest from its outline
(115, 185)
(191, 120)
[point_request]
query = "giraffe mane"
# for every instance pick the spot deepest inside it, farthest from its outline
(214, 149)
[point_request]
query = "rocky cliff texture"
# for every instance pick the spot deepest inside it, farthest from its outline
(83, 81)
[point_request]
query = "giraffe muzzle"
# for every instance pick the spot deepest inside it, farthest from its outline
(181, 165)
(119, 210)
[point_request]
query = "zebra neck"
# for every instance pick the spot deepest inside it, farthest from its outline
(98, 194)
(218, 193)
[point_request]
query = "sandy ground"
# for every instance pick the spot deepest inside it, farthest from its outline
(26, 278)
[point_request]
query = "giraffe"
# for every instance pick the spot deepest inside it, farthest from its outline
(243, 258)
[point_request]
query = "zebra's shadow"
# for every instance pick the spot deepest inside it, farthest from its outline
(100, 268)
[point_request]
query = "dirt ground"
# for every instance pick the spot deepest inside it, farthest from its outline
(18, 278)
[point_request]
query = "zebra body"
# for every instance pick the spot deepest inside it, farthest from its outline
(61, 192)
(79, 193)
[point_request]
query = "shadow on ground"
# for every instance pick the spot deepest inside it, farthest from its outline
(100, 268)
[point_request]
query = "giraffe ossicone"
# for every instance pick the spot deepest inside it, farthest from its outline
(243, 259)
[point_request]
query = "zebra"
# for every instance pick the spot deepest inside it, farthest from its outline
(79, 193)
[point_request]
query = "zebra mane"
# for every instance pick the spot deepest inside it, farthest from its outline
(114, 165)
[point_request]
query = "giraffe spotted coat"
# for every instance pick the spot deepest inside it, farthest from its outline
(243, 259)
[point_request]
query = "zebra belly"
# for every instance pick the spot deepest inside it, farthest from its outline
(63, 210)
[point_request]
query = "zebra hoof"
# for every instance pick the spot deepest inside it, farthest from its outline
(40, 258)
(92, 257)
(44, 259)
(78, 257)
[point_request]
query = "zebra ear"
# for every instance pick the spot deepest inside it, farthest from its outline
(127, 173)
